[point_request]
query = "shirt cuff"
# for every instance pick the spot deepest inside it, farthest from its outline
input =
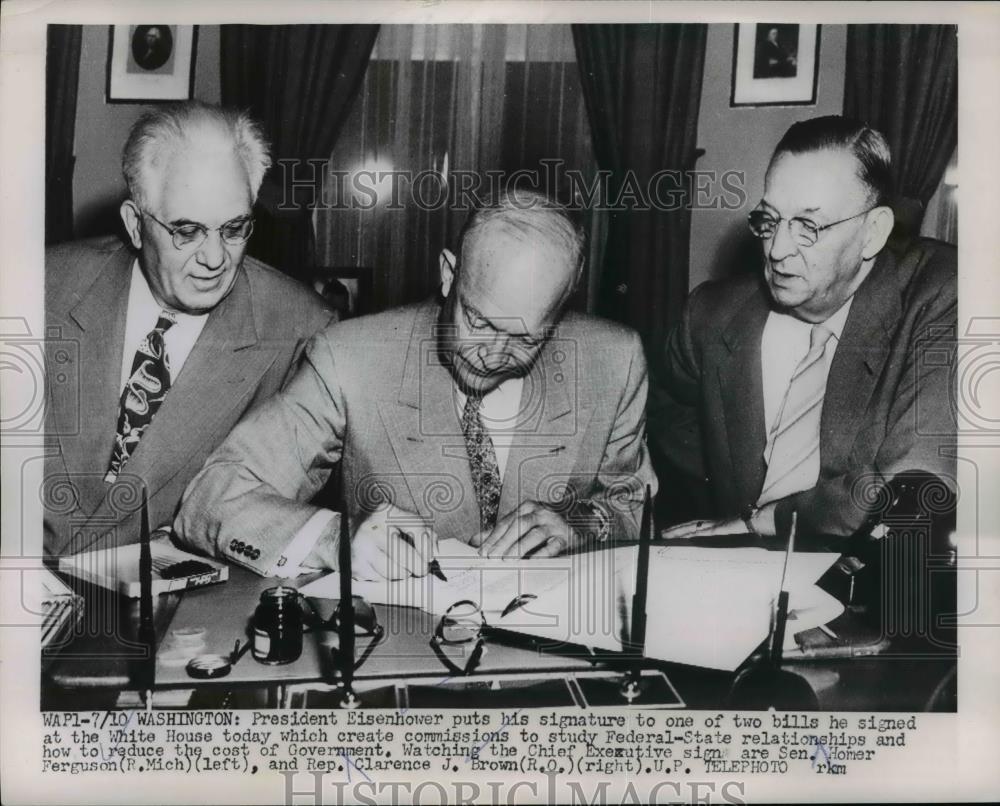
(289, 564)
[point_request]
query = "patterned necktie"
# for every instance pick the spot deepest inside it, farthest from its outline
(141, 398)
(483, 463)
(793, 456)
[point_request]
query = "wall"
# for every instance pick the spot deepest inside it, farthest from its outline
(742, 138)
(101, 128)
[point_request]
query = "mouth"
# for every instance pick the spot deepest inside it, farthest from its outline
(782, 276)
(207, 282)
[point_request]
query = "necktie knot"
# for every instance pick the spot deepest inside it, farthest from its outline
(818, 337)
(164, 322)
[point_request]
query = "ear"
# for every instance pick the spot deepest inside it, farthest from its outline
(447, 263)
(132, 221)
(880, 224)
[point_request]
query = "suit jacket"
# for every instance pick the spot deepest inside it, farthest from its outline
(247, 348)
(373, 394)
(889, 398)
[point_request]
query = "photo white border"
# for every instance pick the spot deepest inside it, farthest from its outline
(952, 760)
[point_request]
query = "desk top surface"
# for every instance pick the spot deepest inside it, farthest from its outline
(105, 656)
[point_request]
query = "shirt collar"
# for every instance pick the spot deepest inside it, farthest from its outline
(835, 324)
(791, 324)
(142, 301)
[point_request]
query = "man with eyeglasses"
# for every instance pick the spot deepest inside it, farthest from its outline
(807, 389)
(490, 415)
(156, 348)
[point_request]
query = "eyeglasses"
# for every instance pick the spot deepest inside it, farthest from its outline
(803, 231)
(463, 628)
(192, 235)
(481, 327)
(366, 625)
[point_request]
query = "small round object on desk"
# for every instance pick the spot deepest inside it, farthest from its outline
(209, 667)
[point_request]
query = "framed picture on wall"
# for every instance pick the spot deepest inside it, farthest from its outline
(149, 63)
(348, 289)
(775, 64)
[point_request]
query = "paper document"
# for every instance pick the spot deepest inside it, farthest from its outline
(711, 607)
(707, 607)
(491, 584)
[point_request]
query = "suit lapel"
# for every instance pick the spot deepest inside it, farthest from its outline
(857, 364)
(741, 390)
(426, 436)
(551, 425)
(88, 420)
(218, 374)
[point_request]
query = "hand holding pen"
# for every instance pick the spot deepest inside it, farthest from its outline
(394, 544)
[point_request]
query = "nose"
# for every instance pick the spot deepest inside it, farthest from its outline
(212, 253)
(781, 245)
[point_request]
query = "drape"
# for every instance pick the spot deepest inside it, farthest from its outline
(62, 72)
(451, 111)
(642, 85)
(903, 81)
(299, 81)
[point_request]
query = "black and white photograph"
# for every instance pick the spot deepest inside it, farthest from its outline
(777, 51)
(150, 63)
(775, 64)
(585, 407)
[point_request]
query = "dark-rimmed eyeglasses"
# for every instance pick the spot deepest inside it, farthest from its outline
(192, 235)
(804, 231)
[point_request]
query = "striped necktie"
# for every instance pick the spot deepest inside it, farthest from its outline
(792, 451)
(486, 480)
(141, 398)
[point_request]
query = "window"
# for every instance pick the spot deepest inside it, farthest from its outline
(444, 112)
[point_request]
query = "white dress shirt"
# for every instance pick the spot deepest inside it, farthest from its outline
(143, 311)
(783, 345)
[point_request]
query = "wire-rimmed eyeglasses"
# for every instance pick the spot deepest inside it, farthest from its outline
(804, 231)
(463, 627)
(192, 235)
(366, 625)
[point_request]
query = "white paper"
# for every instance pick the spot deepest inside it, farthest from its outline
(707, 607)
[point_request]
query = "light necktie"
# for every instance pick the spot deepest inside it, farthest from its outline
(141, 398)
(793, 445)
(486, 480)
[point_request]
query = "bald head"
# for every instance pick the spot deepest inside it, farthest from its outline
(520, 258)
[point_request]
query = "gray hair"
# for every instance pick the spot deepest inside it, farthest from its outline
(156, 134)
(524, 213)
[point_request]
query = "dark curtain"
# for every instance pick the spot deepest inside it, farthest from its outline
(642, 85)
(62, 71)
(903, 81)
(299, 82)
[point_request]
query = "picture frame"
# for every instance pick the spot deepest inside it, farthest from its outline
(151, 63)
(775, 64)
(348, 289)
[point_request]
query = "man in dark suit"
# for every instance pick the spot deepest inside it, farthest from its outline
(491, 416)
(174, 338)
(806, 390)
